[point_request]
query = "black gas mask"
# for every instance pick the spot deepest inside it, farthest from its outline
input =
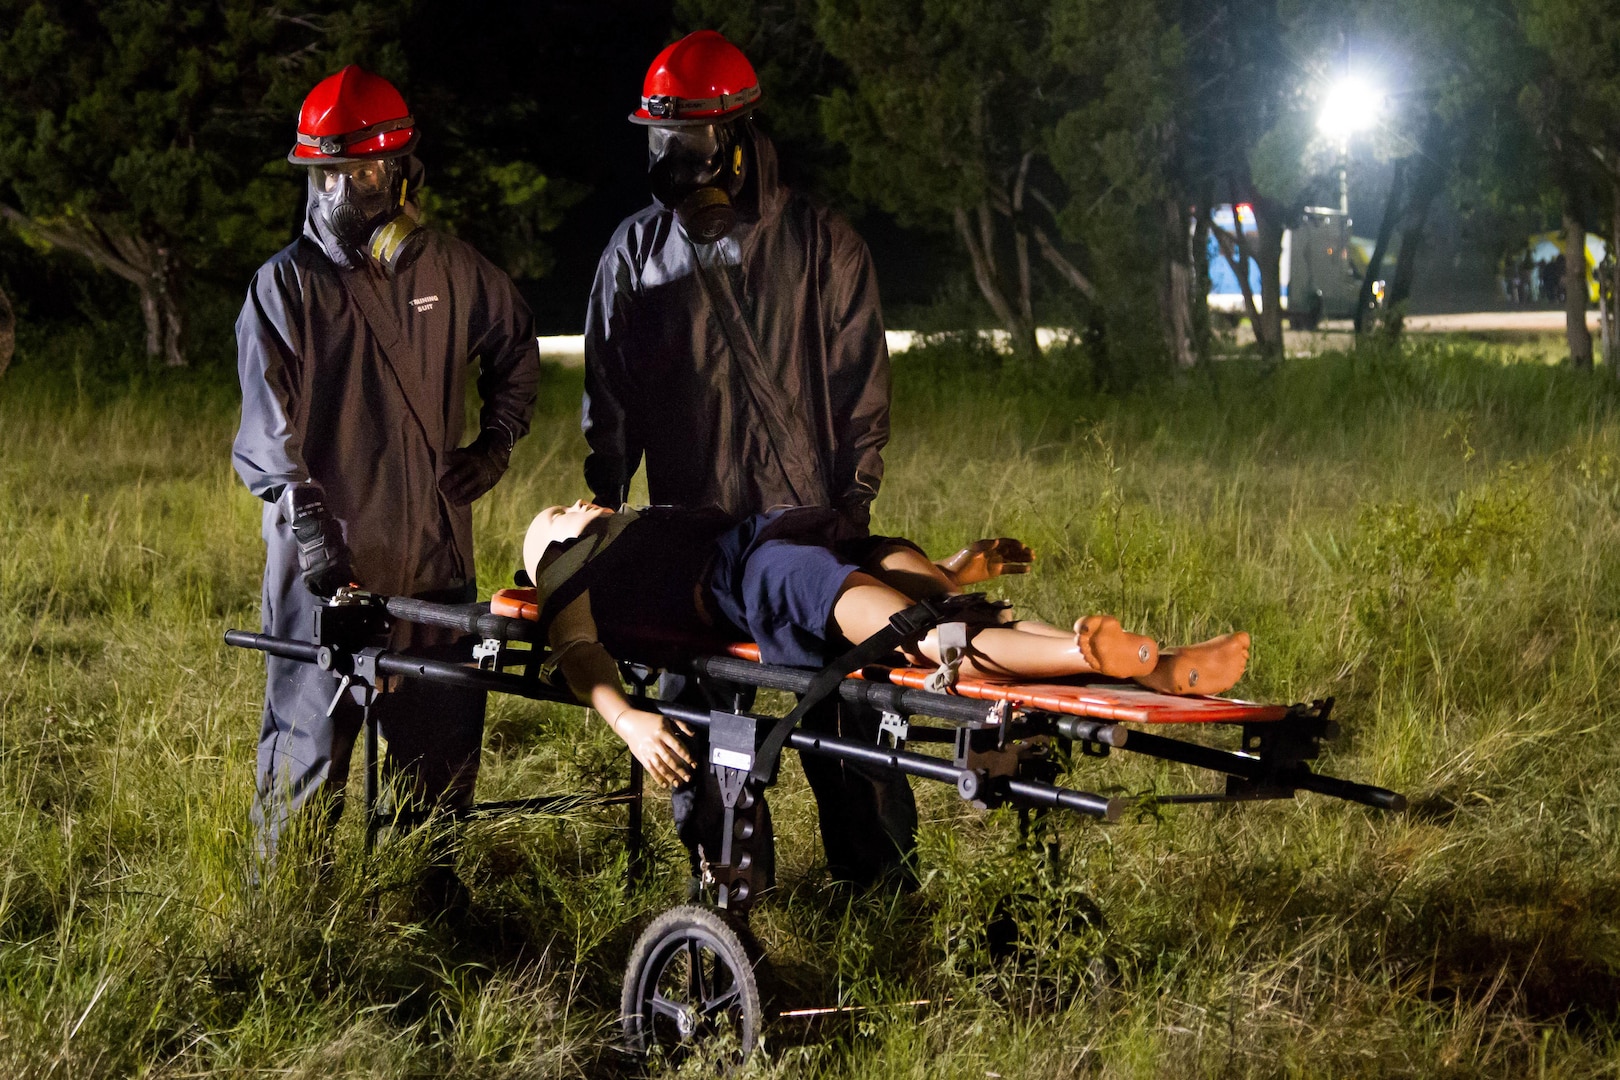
(697, 172)
(359, 208)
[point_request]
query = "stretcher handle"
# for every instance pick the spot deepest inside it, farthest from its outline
(465, 618)
(1365, 794)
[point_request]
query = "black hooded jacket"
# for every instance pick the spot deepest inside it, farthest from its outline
(751, 372)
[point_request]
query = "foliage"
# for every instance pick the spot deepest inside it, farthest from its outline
(150, 139)
(126, 136)
(942, 118)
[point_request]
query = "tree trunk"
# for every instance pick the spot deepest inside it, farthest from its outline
(1611, 352)
(1026, 306)
(1201, 282)
(1426, 180)
(1575, 297)
(8, 332)
(980, 244)
(1176, 288)
(1269, 239)
(147, 265)
(1066, 269)
(1386, 229)
(1235, 250)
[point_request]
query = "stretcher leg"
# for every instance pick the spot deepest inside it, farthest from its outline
(635, 851)
(368, 723)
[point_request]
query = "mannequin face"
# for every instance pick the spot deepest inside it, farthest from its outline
(553, 526)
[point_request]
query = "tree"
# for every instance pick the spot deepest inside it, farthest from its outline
(150, 139)
(127, 138)
(945, 116)
(1574, 103)
(1120, 150)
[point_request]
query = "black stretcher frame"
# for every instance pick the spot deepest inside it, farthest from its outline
(1001, 755)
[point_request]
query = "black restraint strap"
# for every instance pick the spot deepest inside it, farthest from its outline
(905, 628)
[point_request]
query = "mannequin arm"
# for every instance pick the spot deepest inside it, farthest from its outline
(593, 676)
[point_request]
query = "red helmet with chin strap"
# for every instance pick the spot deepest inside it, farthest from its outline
(700, 79)
(352, 116)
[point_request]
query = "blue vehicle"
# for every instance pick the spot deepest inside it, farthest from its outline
(1322, 266)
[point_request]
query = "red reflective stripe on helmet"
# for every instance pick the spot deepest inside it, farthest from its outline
(335, 144)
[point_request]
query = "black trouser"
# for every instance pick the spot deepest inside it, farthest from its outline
(868, 816)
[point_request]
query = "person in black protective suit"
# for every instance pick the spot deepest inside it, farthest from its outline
(353, 348)
(734, 340)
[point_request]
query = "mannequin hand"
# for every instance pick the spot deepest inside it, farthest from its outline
(323, 557)
(659, 750)
(986, 559)
(472, 470)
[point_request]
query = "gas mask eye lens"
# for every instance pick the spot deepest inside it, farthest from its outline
(697, 143)
(369, 177)
(365, 177)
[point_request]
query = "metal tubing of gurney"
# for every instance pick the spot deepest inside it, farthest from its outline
(1252, 768)
(1023, 791)
(1350, 790)
(897, 699)
(878, 695)
(805, 742)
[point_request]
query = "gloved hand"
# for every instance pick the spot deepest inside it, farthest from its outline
(854, 519)
(474, 469)
(323, 557)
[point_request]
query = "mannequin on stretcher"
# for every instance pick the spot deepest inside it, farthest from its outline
(606, 578)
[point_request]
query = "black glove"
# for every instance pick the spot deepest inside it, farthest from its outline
(472, 470)
(854, 519)
(323, 557)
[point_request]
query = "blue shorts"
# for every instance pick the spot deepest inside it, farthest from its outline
(777, 575)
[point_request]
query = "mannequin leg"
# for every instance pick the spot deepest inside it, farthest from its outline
(1210, 667)
(1098, 646)
(898, 576)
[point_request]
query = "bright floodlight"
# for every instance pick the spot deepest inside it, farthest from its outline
(1350, 106)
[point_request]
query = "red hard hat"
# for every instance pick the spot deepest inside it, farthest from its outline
(350, 116)
(701, 79)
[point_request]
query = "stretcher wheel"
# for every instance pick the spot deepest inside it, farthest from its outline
(690, 977)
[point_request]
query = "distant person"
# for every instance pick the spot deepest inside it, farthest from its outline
(734, 341)
(353, 349)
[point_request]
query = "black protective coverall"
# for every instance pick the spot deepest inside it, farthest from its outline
(751, 373)
(324, 401)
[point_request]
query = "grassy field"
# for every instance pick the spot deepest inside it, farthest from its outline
(1430, 537)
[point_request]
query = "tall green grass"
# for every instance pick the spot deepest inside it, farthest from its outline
(1426, 536)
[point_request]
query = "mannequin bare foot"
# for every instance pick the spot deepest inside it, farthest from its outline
(1110, 650)
(1210, 667)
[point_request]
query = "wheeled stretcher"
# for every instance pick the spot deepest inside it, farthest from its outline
(1008, 744)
